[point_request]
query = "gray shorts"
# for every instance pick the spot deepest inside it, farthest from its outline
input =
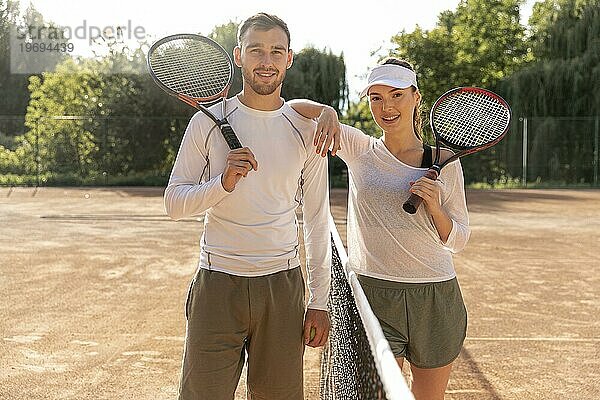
(230, 317)
(426, 323)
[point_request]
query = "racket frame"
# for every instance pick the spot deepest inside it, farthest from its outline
(199, 103)
(414, 201)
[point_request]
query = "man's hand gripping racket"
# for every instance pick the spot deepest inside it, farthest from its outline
(197, 71)
(465, 119)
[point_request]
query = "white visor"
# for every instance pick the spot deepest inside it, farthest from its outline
(392, 75)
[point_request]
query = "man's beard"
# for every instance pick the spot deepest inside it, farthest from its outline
(262, 88)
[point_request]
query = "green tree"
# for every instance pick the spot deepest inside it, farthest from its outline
(114, 130)
(359, 116)
(36, 30)
(97, 115)
(13, 88)
(544, 17)
(4, 41)
(64, 145)
(564, 81)
(433, 54)
(317, 75)
(226, 36)
(15, 68)
(478, 44)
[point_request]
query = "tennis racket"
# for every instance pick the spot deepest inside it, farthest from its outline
(196, 70)
(468, 120)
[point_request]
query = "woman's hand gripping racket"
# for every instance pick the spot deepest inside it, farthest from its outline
(468, 120)
(197, 71)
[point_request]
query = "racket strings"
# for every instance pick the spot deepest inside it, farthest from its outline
(191, 67)
(470, 119)
(196, 78)
(193, 70)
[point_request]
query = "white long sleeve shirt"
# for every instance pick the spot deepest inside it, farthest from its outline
(384, 241)
(253, 231)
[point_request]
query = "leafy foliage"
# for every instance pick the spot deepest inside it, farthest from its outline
(563, 82)
(317, 75)
(126, 128)
(478, 44)
(13, 88)
(359, 116)
(89, 119)
(99, 120)
(226, 36)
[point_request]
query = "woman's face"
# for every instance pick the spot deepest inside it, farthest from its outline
(393, 108)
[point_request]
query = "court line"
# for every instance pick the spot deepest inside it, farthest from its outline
(459, 391)
(532, 339)
(116, 217)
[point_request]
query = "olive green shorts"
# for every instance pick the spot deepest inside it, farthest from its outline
(426, 323)
(232, 317)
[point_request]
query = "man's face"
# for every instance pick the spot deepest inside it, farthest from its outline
(264, 57)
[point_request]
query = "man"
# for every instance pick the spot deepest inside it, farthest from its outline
(247, 298)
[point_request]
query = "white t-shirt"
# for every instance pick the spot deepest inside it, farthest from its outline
(383, 240)
(253, 231)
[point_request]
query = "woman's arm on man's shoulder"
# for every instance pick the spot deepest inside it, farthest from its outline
(327, 133)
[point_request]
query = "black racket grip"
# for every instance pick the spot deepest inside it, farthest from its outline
(230, 137)
(414, 201)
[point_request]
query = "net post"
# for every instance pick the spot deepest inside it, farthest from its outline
(524, 183)
(596, 150)
(37, 152)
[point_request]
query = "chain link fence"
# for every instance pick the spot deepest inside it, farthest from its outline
(132, 150)
(553, 151)
(84, 150)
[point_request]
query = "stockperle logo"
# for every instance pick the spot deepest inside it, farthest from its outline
(39, 48)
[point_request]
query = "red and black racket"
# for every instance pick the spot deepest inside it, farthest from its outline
(197, 71)
(467, 120)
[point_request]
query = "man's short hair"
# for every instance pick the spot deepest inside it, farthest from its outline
(264, 22)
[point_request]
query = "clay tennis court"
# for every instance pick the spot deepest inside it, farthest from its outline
(93, 281)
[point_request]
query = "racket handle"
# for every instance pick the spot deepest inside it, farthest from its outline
(414, 201)
(230, 137)
(412, 204)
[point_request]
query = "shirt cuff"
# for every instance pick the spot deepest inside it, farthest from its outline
(320, 302)
(224, 192)
(316, 306)
(451, 241)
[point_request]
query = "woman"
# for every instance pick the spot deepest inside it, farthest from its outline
(404, 261)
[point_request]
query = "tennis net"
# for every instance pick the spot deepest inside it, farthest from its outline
(357, 362)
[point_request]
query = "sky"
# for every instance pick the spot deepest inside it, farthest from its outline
(355, 28)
